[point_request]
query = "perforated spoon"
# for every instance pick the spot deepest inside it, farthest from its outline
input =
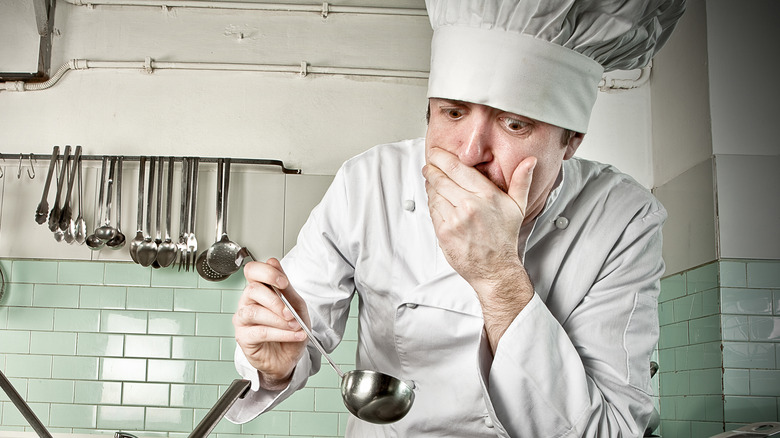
(221, 256)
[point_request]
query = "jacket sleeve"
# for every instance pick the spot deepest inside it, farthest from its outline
(588, 374)
(319, 270)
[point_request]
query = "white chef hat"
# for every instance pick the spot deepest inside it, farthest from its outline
(542, 59)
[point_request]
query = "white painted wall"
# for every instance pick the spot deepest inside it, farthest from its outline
(716, 151)
(313, 123)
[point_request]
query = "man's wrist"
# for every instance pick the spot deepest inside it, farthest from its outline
(270, 383)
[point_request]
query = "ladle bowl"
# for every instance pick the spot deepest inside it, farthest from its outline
(369, 395)
(376, 397)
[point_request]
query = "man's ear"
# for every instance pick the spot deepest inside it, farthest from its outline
(574, 142)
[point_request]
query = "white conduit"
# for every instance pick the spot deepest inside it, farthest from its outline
(324, 9)
(150, 65)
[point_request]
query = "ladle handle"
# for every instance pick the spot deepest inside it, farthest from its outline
(140, 217)
(308, 332)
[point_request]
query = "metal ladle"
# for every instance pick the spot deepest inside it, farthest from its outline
(118, 241)
(369, 395)
(93, 242)
(106, 232)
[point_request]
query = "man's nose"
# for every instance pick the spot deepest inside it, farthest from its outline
(476, 147)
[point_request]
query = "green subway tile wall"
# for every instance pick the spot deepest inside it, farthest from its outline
(96, 347)
(719, 350)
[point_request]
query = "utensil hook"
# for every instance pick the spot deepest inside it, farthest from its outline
(30, 171)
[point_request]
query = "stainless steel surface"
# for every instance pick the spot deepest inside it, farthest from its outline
(54, 214)
(93, 242)
(106, 232)
(205, 271)
(369, 395)
(166, 253)
(23, 407)
(139, 235)
(147, 249)
(186, 172)
(157, 229)
(80, 231)
(192, 241)
(221, 256)
(67, 224)
(201, 264)
(235, 391)
(118, 241)
(43, 206)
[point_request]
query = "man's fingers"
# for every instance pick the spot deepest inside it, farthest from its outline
(462, 176)
(255, 314)
(263, 334)
(520, 184)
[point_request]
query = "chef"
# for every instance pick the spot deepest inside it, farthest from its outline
(512, 284)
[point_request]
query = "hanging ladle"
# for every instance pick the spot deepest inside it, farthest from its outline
(94, 242)
(119, 239)
(221, 256)
(369, 395)
(106, 232)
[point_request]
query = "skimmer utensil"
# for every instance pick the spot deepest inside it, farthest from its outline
(221, 256)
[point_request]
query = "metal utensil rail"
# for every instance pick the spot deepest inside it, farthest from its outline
(252, 161)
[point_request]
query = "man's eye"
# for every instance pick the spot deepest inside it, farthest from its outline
(454, 113)
(514, 124)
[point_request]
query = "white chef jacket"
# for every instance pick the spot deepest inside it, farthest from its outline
(575, 361)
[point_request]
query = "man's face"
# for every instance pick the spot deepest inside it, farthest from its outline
(495, 142)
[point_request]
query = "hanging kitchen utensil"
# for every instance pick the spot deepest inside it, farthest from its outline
(158, 233)
(106, 232)
(147, 250)
(67, 224)
(80, 227)
(181, 245)
(192, 241)
(201, 265)
(43, 206)
(139, 235)
(221, 256)
(118, 241)
(93, 242)
(166, 253)
(54, 214)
